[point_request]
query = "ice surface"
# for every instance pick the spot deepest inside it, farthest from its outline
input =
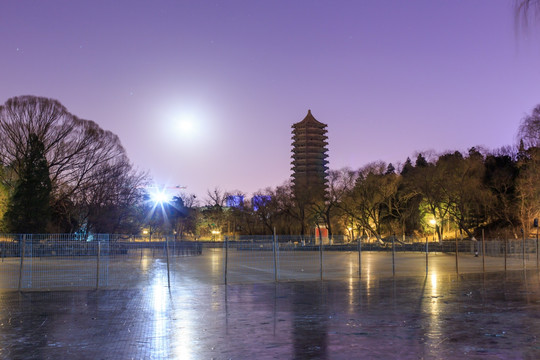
(440, 315)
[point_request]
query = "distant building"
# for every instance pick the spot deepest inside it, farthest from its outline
(309, 154)
(236, 201)
(260, 200)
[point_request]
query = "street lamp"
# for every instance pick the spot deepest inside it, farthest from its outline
(433, 223)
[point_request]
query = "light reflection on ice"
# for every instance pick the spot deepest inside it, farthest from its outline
(432, 306)
(184, 332)
(159, 300)
(145, 263)
(215, 261)
(350, 293)
(172, 322)
(216, 298)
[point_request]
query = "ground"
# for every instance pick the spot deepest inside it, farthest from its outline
(412, 315)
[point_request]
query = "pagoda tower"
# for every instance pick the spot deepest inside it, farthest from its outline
(309, 153)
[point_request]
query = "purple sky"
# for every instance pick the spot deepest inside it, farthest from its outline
(388, 77)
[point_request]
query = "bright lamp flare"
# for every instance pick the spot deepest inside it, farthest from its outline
(159, 197)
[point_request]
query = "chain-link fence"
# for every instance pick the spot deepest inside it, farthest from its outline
(32, 261)
(117, 261)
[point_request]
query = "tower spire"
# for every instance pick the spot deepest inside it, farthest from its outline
(309, 154)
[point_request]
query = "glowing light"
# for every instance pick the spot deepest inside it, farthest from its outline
(185, 123)
(434, 283)
(186, 126)
(159, 300)
(160, 197)
(216, 261)
(433, 222)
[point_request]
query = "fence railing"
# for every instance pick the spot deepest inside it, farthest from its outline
(66, 261)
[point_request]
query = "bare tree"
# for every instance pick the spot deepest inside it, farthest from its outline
(528, 191)
(340, 183)
(462, 183)
(108, 203)
(184, 215)
(525, 11)
(79, 153)
(529, 129)
(367, 203)
(267, 208)
(216, 197)
(501, 174)
(213, 214)
(25, 115)
(427, 181)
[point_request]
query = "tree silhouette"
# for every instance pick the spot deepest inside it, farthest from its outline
(86, 164)
(526, 10)
(29, 208)
(529, 129)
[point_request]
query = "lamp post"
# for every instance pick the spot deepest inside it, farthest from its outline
(433, 223)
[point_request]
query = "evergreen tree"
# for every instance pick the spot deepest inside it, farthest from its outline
(407, 167)
(421, 161)
(29, 208)
(4, 197)
(390, 169)
(475, 154)
(522, 155)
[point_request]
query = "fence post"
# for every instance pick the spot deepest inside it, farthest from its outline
(393, 256)
(505, 251)
(536, 248)
(21, 249)
(226, 258)
(523, 235)
(275, 256)
(427, 252)
(457, 250)
(320, 254)
(483, 252)
(167, 252)
(359, 257)
(97, 262)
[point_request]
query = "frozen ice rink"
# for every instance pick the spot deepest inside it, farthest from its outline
(215, 266)
(135, 315)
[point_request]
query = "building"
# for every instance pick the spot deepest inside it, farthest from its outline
(259, 201)
(309, 154)
(236, 201)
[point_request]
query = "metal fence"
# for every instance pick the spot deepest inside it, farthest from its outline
(57, 260)
(68, 261)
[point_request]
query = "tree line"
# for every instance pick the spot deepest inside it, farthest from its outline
(446, 195)
(60, 173)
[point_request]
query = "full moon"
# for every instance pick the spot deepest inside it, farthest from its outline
(186, 126)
